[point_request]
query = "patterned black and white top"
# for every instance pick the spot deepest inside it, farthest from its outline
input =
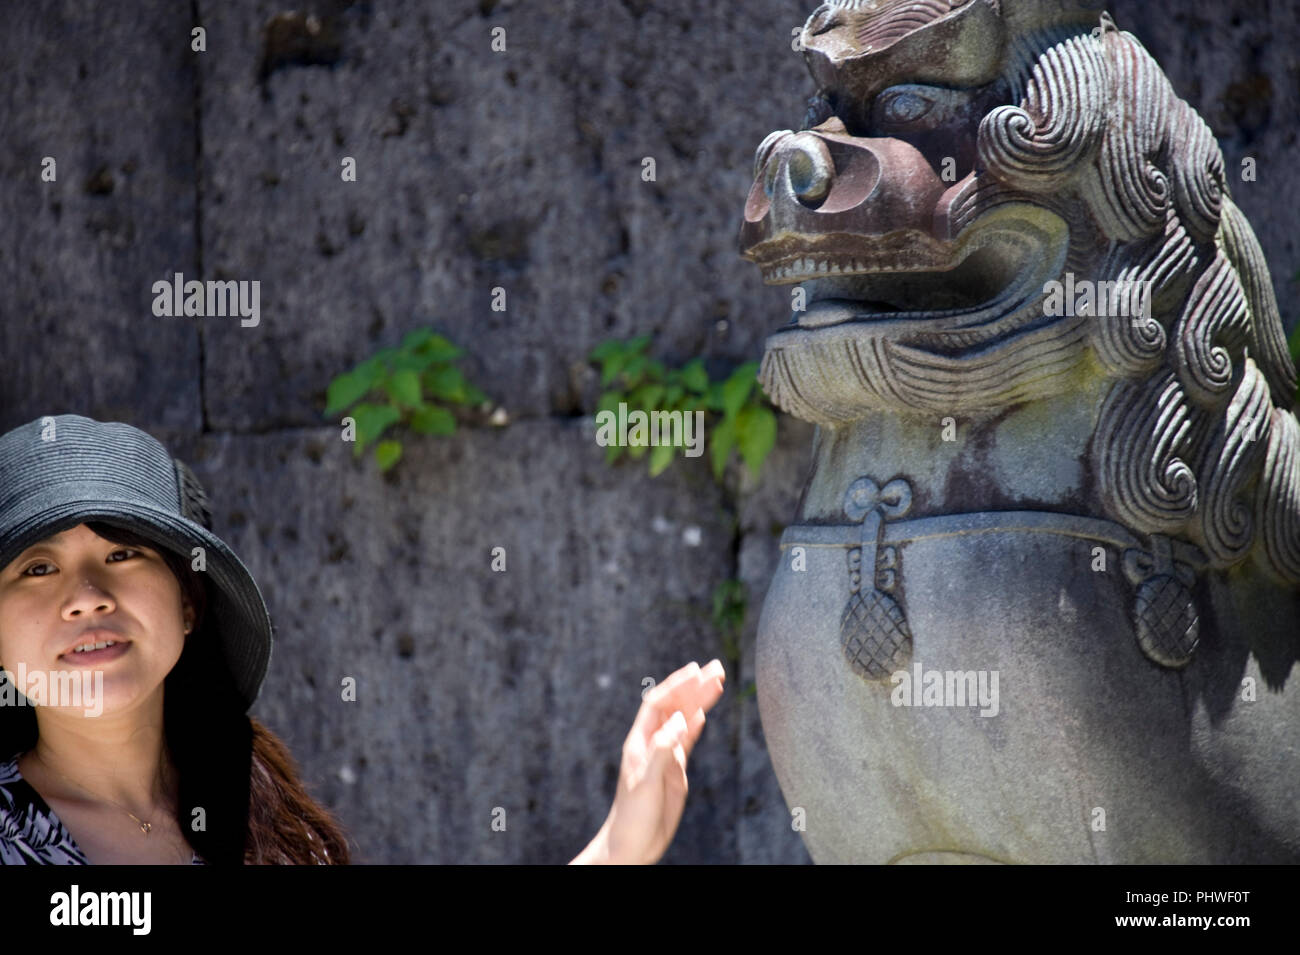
(30, 832)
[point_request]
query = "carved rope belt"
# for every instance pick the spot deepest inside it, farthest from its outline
(874, 633)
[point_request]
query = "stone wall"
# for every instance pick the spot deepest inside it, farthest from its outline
(475, 169)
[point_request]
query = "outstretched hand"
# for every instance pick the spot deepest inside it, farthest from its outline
(652, 784)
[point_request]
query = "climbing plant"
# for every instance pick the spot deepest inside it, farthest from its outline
(737, 416)
(416, 384)
(730, 598)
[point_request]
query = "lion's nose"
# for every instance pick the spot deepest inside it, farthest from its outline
(814, 183)
(803, 166)
(764, 150)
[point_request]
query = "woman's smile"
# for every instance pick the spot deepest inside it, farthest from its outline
(85, 658)
(92, 639)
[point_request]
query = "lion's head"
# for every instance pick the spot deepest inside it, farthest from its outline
(962, 163)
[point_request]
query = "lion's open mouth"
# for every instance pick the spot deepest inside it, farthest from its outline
(995, 270)
(975, 282)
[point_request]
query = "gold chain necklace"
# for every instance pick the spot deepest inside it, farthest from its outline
(144, 826)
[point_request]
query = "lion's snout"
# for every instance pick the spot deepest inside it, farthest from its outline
(816, 186)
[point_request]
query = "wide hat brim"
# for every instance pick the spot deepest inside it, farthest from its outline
(236, 611)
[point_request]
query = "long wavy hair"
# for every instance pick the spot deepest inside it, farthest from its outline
(234, 774)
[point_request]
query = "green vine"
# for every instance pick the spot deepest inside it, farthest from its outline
(409, 385)
(737, 414)
(729, 600)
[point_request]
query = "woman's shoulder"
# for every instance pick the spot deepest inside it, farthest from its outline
(29, 832)
(12, 788)
(9, 770)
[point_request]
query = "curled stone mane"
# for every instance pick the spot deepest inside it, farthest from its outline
(1196, 436)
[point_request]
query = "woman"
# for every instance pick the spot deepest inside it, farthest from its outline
(133, 642)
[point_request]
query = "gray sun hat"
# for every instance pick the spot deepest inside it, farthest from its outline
(63, 470)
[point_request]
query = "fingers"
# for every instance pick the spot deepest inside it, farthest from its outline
(687, 674)
(691, 677)
(689, 689)
(670, 746)
(653, 714)
(694, 727)
(673, 731)
(692, 690)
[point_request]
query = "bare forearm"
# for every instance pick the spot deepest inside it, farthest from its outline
(596, 853)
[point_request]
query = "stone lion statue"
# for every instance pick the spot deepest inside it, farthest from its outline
(1041, 602)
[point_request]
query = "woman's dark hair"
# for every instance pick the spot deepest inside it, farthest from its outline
(242, 801)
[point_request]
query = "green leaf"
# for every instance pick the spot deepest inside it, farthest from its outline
(447, 383)
(438, 348)
(606, 350)
(387, 454)
(736, 389)
(347, 388)
(433, 420)
(473, 395)
(729, 599)
(638, 344)
(415, 339)
(609, 402)
(655, 370)
(634, 370)
(613, 365)
(372, 367)
(694, 376)
(673, 395)
(721, 440)
(756, 435)
(412, 361)
(714, 398)
(647, 397)
(612, 451)
(371, 421)
(660, 458)
(404, 388)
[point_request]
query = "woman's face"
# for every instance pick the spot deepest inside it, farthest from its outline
(55, 596)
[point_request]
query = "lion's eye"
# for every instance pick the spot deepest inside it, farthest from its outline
(905, 107)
